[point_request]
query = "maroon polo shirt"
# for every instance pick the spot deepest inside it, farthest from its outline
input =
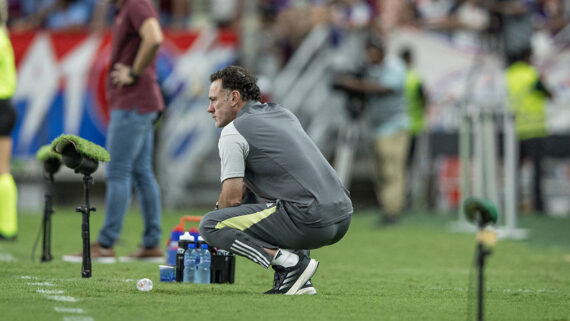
(144, 95)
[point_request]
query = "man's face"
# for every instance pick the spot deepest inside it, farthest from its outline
(375, 55)
(223, 106)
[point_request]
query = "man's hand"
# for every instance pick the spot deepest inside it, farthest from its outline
(121, 75)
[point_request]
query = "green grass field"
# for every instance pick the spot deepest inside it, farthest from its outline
(418, 270)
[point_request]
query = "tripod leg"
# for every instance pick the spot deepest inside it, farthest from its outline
(86, 267)
(482, 253)
(46, 240)
(44, 230)
(480, 287)
(48, 246)
(85, 210)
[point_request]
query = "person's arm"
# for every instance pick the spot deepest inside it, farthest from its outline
(540, 86)
(362, 85)
(152, 37)
(233, 150)
(423, 95)
(232, 192)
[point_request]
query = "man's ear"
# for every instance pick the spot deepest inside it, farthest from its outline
(236, 96)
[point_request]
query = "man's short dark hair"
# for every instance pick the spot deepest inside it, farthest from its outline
(240, 79)
(406, 54)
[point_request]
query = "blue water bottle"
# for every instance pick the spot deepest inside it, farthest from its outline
(202, 272)
(190, 258)
(183, 243)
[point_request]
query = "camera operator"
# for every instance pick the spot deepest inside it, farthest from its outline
(383, 86)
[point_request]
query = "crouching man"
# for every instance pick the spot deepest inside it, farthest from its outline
(264, 149)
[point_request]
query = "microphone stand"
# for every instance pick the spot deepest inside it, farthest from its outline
(46, 222)
(482, 253)
(85, 210)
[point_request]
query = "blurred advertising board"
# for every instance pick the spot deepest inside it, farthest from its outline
(61, 80)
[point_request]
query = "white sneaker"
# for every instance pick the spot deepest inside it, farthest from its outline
(307, 289)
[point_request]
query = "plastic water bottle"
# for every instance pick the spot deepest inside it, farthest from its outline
(144, 285)
(199, 242)
(185, 239)
(202, 272)
(190, 258)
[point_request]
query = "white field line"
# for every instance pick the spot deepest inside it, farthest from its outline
(49, 291)
(68, 310)
(7, 257)
(40, 283)
(439, 288)
(77, 318)
(61, 298)
(526, 290)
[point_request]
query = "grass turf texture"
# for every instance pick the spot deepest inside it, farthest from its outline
(46, 152)
(83, 146)
(417, 270)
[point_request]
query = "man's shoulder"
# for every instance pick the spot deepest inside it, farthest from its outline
(229, 129)
(257, 114)
(255, 109)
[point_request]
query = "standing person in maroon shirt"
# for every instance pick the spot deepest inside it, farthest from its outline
(135, 100)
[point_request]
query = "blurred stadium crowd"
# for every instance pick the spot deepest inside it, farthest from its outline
(271, 32)
(285, 23)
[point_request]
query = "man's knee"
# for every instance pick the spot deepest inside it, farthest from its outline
(207, 225)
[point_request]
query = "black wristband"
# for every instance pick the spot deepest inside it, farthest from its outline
(135, 77)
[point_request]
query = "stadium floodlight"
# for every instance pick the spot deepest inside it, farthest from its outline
(83, 157)
(52, 162)
(482, 213)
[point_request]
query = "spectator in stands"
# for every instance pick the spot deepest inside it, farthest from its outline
(60, 15)
(466, 22)
(8, 191)
(227, 13)
(351, 14)
(422, 12)
(103, 13)
(174, 13)
(383, 84)
(516, 24)
(292, 23)
(349, 17)
(527, 95)
(350, 23)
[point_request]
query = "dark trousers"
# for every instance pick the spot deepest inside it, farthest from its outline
(534, 149)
